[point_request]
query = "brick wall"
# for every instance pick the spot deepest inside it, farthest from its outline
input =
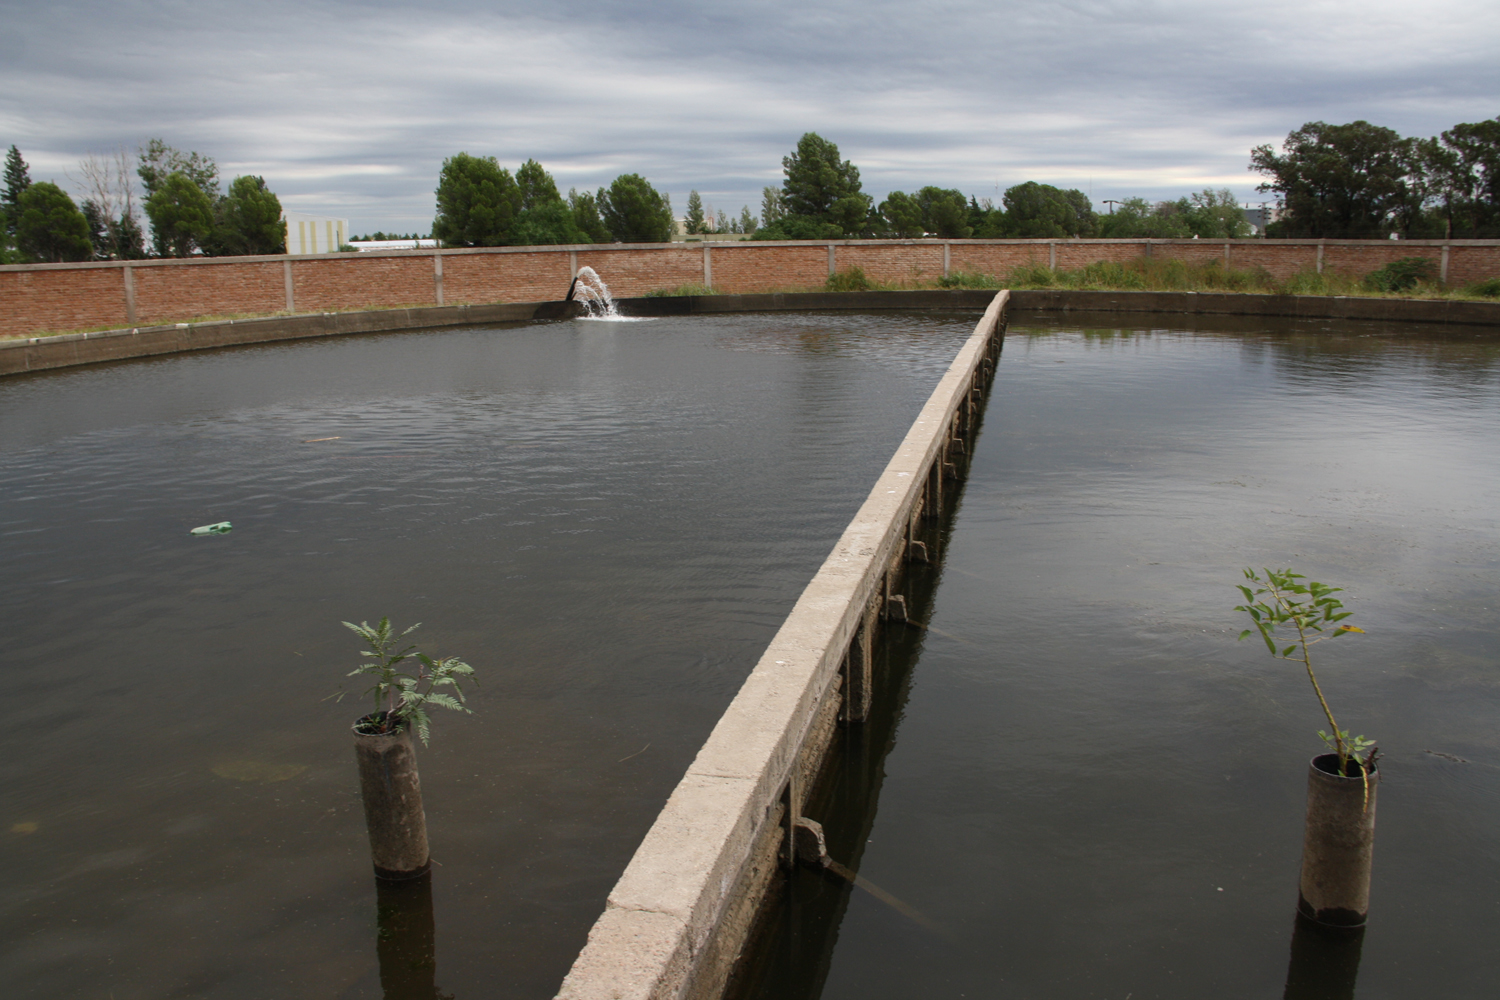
(51, 298)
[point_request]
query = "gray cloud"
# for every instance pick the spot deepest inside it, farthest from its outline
(350, 107)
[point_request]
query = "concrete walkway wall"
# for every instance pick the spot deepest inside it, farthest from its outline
(676, 920)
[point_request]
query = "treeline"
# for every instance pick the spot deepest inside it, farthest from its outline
(188, 212)
(481, 204)
(1363, 181)
(822, 198)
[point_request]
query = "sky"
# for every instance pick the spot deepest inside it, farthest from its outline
(349, 108)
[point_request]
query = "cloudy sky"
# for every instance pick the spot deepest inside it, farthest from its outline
(348, 108)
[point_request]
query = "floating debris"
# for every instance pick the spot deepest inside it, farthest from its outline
(1447, 756)
(223, 527)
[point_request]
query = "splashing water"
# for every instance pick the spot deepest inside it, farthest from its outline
(598, 304)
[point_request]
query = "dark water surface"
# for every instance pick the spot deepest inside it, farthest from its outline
(609, 521)
(1087, 786)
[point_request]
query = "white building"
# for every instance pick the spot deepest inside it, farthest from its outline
(315, 233)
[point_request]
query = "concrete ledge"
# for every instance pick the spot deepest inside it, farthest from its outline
(1449, 312)
(41, 353)
(682, 879)
(923, 298)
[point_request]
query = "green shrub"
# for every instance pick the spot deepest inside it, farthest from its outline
(1401, 275)
(1032, 276)
(1305, 282)
(1489, 288)
(851, 279)
(969, 279)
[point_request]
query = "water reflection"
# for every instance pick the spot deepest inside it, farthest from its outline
(405, 940)
(1325, 961)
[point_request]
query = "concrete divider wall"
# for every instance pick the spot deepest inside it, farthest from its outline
(52, 298)
(675, 922)
(36, 354)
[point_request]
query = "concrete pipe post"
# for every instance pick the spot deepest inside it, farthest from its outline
(392, 793)
(1338, 845)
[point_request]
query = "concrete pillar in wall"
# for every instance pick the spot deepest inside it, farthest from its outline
(708, 267)
(947, 258)
(1052, 256)
(1320, 256)
(129, 277)
(860, 660)
(1227, 245)
(437, 275)
(572, 264)
(1443, 267)
(286, 274)
(830, 260)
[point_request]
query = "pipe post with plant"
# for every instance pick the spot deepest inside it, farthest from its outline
(1339, 839)
(407, 683)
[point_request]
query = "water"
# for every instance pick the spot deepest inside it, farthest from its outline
(1081, 778)
(609, 522)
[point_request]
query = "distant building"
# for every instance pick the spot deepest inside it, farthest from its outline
(363, 245)
(1261, 217)
(315, 233)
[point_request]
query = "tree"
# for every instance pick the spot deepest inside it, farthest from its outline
(800, 227)
(158, 161)
(902, 215)
(586, 216)
(1340, 181)
(182, 216)
(1463, 173)
(536, 186)
(694, 222)
(1214, 215)
(17, 180)
(49, 227)
(944, 213)
(1041, 211)
(772, 206)
(1137, 218)
(248, 219)
(822, 187)
(544, 219)
(635, 212)
(551, 223)
(747, 220)
(477, 202)
(110, 207)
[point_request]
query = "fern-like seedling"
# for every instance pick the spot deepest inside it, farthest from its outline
(403, 695)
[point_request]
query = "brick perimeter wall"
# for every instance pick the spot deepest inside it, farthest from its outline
(50, 298)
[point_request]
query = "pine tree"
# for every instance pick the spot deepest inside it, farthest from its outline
(17, 180)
